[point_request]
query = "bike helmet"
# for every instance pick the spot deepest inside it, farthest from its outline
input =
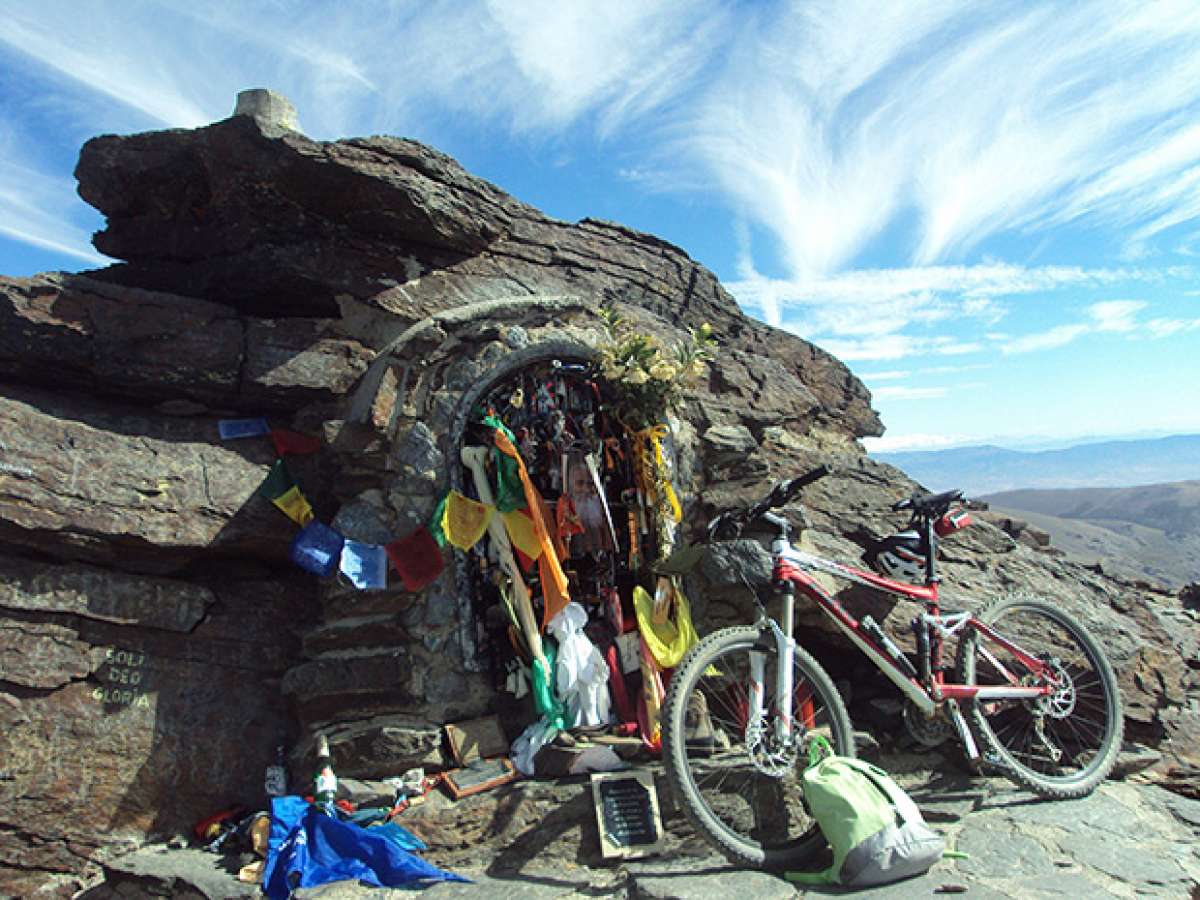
(901, 556)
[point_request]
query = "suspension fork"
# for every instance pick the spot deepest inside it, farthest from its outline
(785, 651)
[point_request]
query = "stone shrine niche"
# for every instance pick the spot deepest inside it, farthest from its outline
(580, 459)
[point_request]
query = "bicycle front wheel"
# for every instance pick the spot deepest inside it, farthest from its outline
(1063, 744)
(737, 783)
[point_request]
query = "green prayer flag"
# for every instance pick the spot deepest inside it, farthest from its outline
(435, 523)
(278, 482)
(510, 493)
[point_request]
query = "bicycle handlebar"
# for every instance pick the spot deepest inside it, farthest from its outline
(928, 504)
(784, 491)
(781, 494)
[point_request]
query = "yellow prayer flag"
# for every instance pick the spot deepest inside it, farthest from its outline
(652, 467)
(522, 533)
(465, 520)
(295, 505)
(668, 641)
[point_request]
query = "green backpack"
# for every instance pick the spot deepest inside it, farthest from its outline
(875, 830)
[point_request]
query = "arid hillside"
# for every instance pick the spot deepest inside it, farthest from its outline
(1151, 531)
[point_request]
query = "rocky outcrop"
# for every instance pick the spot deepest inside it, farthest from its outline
(179, 353)
(155, 642)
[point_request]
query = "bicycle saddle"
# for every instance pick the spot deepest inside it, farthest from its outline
(930, 505)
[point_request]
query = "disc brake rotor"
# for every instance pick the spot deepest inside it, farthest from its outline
(767, 754)
(1061, 703)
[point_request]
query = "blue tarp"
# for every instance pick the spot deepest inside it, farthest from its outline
(320, 849)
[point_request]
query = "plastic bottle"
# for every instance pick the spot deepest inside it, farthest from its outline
(275, 780)
(324, 781)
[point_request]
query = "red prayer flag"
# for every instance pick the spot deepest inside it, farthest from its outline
(524, 561)
(417, 559)
(291, 442)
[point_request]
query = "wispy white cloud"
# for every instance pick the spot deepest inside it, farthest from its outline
(105, 51)
(1115, 315)
(889, 443)
(900, 392)
(953, 290)
(623, 57)
(1109, 316)
(870, 314)
(35, 207)
(1162, 327)
(897, 346)
(1058, 336)
(948, 370)
(968, 119)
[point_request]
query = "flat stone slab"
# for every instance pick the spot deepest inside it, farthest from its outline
(159, 871)
(1125, 840)
(666, 881)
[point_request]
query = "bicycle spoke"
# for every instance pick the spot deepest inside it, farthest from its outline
(1062, 742)
(740, 776)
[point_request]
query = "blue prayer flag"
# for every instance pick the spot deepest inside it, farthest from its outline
(317, 548)
(364, 564)
(242, 428)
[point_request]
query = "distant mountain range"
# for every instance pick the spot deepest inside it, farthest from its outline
(1151, 531)
(987, 469)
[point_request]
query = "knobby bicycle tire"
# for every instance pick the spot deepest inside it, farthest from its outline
(1083, 719)
(730, 802)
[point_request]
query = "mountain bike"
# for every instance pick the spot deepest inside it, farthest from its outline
(1029, 685)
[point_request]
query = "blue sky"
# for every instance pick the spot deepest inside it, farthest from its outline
(990, 211)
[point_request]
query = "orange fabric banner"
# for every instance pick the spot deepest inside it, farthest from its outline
(554, 581)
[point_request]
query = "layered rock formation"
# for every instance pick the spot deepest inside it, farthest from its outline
(156, 644)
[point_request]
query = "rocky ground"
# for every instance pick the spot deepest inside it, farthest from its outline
(1128, 839)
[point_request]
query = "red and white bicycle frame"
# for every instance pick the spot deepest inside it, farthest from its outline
(791, 574)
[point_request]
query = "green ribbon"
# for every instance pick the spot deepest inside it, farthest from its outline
(510, 493)
(819, 748)
(543, 690)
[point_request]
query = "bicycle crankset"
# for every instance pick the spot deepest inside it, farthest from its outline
(928, 731)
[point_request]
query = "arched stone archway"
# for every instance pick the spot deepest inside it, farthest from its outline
(554, 349)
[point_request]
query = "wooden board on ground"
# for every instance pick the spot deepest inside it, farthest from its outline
(481, 775)
(476, 739)
(627, 813)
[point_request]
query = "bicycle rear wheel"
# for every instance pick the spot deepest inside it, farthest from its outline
(737, 787)
(1061, 745)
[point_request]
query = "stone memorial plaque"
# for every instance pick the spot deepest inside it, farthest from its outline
(627, 813)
